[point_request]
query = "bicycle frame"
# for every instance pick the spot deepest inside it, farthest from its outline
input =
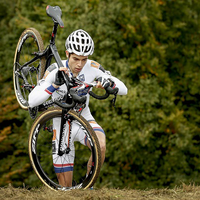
(48, 53)
(63, 122)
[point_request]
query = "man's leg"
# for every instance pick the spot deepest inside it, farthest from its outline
(102, 141)
(65, 178)
(101, 137)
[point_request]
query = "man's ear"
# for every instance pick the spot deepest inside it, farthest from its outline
(67, 54)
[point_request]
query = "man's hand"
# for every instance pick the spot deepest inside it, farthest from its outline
(103, 82)
(59, 79)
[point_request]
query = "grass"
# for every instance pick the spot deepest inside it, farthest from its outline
(185, 192)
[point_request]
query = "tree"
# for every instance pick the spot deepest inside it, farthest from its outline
(153, 47)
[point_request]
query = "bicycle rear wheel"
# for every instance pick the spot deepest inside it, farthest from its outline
(25, 77)
(41, 148)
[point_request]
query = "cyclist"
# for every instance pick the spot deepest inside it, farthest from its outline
(79, 45)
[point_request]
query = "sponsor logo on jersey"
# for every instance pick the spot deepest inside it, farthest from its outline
(95, 64)
(81, 77)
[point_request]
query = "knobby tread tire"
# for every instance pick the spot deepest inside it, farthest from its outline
(40, 44)
(52, 112)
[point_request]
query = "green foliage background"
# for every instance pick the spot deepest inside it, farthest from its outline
(153, 46)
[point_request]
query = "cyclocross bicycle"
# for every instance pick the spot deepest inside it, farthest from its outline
(30, 62)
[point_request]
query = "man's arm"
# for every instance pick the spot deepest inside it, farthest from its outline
(45, 88)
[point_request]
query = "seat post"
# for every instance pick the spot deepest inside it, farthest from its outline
(54, 32)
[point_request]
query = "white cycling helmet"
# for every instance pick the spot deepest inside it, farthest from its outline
(80, 43)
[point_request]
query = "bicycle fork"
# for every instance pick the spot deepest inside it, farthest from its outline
(64, 120)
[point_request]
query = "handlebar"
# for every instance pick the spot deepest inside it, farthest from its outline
(86, 87)
(65, 105)
(109, 91)
(78, 98)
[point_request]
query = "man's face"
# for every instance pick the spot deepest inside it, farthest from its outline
(76, 63)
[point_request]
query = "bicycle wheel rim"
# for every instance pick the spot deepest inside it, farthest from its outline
(43, 165)
(30, 41)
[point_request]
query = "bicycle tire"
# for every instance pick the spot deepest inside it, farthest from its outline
(40, 152)
(29, 42)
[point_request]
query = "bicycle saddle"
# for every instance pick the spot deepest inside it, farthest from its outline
(55, 13)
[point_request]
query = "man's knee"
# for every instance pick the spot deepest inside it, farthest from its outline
(102, 141)
(103, 147)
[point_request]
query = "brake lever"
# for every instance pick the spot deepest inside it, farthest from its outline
(114, 100)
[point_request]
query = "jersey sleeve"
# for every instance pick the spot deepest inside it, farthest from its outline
(119, 84)
(44, 89)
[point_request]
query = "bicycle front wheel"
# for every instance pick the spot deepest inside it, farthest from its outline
(41, 149)
(26, 76)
